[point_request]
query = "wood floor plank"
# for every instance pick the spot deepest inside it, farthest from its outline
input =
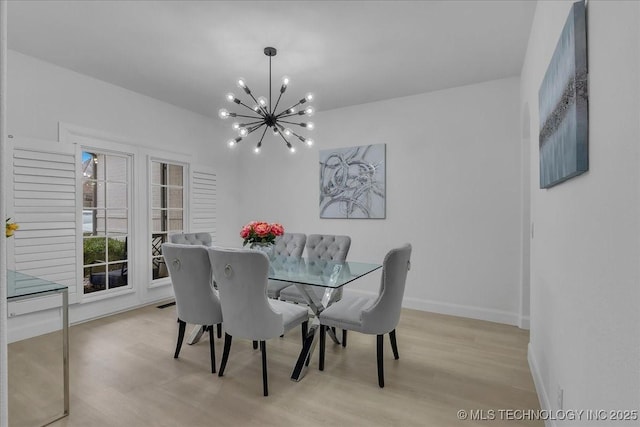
(123, 374)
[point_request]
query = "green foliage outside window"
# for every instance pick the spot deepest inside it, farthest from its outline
(94, 250)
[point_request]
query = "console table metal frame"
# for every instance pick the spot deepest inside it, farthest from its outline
(63, 290)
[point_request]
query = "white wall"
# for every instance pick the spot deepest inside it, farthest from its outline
(453, 191)
(585, 321)
(40, 95)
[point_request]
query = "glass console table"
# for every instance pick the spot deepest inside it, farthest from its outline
(22, 286)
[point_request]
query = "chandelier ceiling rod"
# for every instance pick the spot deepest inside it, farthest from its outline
(267, 116)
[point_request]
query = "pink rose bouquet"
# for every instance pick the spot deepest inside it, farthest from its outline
(261, 232)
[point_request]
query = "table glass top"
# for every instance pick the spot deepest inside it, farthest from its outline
(21, 285)
(328, 274)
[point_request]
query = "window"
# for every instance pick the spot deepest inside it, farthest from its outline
(105, 221)
(167, 210)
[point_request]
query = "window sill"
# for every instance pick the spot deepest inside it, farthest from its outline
(103, 295)
(160, 283)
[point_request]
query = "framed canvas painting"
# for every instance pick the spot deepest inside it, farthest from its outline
(563, 105)
(353, 182)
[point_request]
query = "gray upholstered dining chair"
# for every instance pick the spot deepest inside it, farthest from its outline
(196, 301)
(372, 315)
(287, 245)
(203, 239)
(320, 247)
(248, 313)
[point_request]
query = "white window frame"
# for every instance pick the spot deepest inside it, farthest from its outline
(129, 288)
(186, 189)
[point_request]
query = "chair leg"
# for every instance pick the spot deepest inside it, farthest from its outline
(380, 342)
(265, 385)
(225, 353)
(212, 350)
(322, 345)
(219, 330)
(394, 344)
(255, 345)
(344, 337)
(305, 329)
(181, 327)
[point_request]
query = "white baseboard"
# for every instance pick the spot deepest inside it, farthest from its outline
(471, 312)
(524, 322)
(543, 397)
(45, 321)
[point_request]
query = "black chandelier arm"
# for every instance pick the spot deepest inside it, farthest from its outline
(256, 101)
(278, 101)
(282, 113)
(262, 137)
(301, 138)
(250, 117)
(244, 125)
(256, 128)
(245, 105)
(293, 123)
(285, 139)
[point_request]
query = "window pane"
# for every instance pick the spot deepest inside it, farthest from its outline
(117, 249)
(117, 275)
(117, 222)
(158, 196)
(159, 268)
(175, 220)
(175, 175)
(94, 250)
(88, 193)
(116, 195)
(100, 222)
(99, 195)
(94, 279)
(157, 240)
(99, 165)
(158, 220)
(116, 168)
(175, 198)
(156, 173)
(88, 165)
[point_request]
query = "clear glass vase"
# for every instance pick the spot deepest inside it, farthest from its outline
(267, 248)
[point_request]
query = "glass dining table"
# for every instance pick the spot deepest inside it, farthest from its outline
(307, 275)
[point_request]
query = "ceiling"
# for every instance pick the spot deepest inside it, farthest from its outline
(190, 53)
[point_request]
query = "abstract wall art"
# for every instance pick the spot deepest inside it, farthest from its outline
(352, 182)
(563, 105)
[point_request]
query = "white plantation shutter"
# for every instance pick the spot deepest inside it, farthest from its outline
(203, 201)
(43, 201)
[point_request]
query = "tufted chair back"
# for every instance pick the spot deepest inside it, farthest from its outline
(328, 247)
(320, 247)
(290, 244)
(203, 239)
(190, 272)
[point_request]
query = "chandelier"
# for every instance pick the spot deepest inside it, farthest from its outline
(262, 115)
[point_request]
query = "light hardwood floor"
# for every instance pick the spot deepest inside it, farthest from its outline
(123, 374)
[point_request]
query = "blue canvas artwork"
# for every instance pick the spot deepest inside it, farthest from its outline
(352, 182)
(563, 104)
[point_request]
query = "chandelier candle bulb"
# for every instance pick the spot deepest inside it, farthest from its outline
(264, 113)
